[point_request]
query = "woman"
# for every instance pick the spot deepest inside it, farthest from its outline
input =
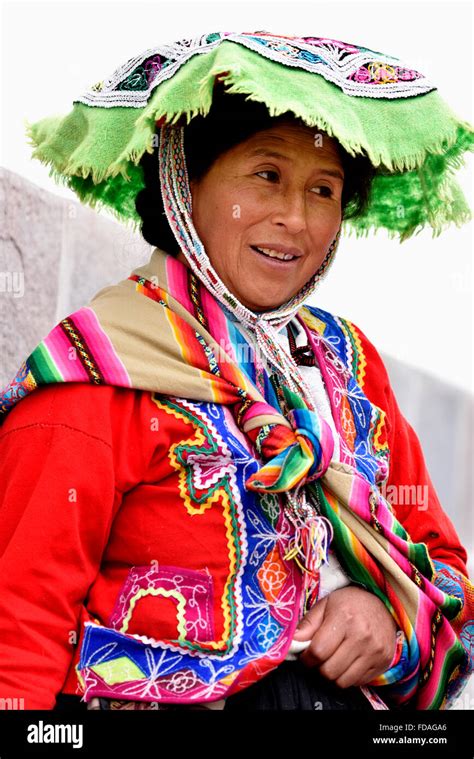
(216, 533)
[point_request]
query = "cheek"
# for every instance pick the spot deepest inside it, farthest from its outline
(219, 231)
(322, 235)
(243, 209)
(220, 210)
(325, 228)
(232, 224)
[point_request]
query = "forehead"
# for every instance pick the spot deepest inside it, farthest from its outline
(286, 139)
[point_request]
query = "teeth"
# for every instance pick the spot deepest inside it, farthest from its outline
(274, 254)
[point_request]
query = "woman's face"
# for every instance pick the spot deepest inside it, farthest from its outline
(281, 187)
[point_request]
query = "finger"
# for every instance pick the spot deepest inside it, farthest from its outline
(341, 660)
(326, 641)
(358, 673)
(311, 621)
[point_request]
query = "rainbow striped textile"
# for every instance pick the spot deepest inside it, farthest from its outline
(161, 330)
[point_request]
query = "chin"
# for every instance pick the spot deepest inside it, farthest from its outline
(267, 306)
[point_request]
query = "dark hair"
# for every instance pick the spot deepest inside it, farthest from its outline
(233, 119)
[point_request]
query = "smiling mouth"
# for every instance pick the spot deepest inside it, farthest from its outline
(273, 255)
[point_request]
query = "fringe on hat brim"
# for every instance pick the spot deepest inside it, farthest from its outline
(416, 143)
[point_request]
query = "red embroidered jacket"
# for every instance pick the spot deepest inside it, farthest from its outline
(87, 491)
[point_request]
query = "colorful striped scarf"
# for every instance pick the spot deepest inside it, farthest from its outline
(161, 330)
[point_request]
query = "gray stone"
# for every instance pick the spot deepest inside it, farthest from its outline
(55, 255)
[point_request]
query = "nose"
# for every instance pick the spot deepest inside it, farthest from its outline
(291, 211)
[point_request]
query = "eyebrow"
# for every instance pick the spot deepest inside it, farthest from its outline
(266, 152)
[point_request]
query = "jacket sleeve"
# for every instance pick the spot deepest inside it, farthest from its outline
(422, 517)
(409, 487)
(57, 500)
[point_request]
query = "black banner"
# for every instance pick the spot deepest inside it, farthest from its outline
(151, 733)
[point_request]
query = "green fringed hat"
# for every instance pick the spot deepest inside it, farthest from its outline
(368, 101)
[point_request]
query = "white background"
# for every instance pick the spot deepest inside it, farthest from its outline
(413, 300)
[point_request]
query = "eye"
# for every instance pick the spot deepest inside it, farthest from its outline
(266, 171)
(325, 191)
(328, 193)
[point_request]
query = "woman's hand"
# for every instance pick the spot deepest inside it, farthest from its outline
(353, 636)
